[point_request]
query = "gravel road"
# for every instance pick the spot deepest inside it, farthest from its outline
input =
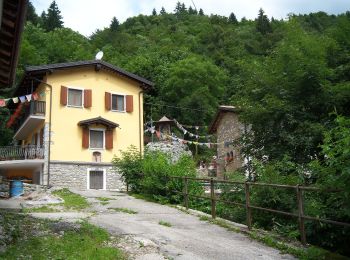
(187, 238)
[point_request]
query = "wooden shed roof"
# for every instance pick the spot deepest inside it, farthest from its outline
(12, 17)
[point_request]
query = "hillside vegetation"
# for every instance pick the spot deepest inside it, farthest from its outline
(290, 78)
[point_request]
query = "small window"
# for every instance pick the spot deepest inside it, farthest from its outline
(96, 139)
(75, 97)
(118, 102)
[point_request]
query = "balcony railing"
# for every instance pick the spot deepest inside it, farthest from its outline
(36, 108)
(29, 152)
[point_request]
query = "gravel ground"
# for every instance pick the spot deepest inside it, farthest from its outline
(187, 238)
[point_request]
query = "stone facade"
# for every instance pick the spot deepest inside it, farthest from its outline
(174, 149)
(75, 174)
(228, 129)
(228, 151)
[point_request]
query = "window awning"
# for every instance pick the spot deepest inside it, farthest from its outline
(98, 121)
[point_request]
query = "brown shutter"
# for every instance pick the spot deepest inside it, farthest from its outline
(108, 101)
(109, 139)
(63, 95)
(87, 98)
(129, 103)
(85, 137)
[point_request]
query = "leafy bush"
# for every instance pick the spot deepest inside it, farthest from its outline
(130, 167)
(151, 174)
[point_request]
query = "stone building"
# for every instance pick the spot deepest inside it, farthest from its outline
(228, 129)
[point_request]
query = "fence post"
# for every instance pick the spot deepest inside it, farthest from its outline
(186, 193)
(301, 215)
(213, 201)
(247, 206)
(127, 187)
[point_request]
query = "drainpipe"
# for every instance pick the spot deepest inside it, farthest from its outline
(140, 122)
(50, 114)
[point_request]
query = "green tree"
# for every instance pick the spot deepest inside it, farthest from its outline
(195, 83)
(162, 11)
(263, 23)
(114, 24)
(31, 14)
(201, 12)
(53, 18)
(154, 12)
(232, 19)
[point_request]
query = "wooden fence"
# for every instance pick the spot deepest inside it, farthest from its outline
(299, 190)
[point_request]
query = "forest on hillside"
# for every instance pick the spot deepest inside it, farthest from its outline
(291, 79)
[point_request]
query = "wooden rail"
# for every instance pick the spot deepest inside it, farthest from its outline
(29, 152)
(247, 186)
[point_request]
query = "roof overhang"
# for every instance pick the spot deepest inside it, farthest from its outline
(20, 164)
(98, 121)
(12, 17)
(219, 114)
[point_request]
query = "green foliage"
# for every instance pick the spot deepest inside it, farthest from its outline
(114, 24)
(130, 167)
(71, 200)
(124, 210)
(52, 19)
(164, 223)
(88, 242)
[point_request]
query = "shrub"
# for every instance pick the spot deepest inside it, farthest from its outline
(130, 167)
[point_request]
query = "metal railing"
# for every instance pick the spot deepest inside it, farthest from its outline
(29, 152)
(36, 108)
(299, 190)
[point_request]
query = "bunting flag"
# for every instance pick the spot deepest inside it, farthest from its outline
(185, 131)
(35, 96)
(174, 138)
(22, 99)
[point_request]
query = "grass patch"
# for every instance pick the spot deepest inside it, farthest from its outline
(34, 239)
(309, 253)
(124, 210)
(71, 200)
(164, 223)
(44, 209)
(104, 199)
(104, 203)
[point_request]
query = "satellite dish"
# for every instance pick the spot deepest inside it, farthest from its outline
(99, 55)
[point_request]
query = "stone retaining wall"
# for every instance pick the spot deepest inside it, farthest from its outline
(74, 175)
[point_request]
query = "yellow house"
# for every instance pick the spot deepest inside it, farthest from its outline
(76, 117)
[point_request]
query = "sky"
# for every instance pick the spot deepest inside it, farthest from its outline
(86, 16)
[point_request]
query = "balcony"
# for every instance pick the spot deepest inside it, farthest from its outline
(31, 119)
(29, 152)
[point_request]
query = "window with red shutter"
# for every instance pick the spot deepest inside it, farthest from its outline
(108, 101)
(87, 98)
(63, 95)
(129, 104)
(109, 139)
(85, 137)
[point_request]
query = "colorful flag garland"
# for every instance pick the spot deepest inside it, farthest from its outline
(22, 99)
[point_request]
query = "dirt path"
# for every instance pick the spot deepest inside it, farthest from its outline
(187, 238)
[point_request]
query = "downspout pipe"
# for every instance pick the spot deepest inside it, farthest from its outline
(140, 122)
(50, 116)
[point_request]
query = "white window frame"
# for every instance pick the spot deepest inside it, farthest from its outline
(104, 177)
(118, 94)
(104, 139)
(82, 96)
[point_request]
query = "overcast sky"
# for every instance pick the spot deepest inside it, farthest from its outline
(86, 16)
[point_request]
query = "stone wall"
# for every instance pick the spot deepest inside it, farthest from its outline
(74, 174)
(229, 131)
(174, 149)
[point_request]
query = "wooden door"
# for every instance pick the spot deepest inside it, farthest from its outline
(96, 180)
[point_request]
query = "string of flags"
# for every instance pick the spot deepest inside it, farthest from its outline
(173, 137)
(185, 131)
(21, 99)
